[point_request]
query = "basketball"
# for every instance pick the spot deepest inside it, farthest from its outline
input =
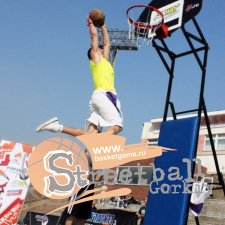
(98, 17)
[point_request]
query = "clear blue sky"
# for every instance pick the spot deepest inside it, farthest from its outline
(44, 70)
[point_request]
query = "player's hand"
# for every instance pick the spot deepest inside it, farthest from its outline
(89, 21)
(103, 26)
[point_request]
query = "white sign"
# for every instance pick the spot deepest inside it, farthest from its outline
(14, 182)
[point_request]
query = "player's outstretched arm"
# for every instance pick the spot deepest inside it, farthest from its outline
(106, 42)
(94, 41)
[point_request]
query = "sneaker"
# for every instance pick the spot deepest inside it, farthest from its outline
(52, 125)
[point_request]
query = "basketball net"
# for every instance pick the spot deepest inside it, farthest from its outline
(143, 33)
(141, 36)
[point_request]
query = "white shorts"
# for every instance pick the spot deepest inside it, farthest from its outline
(102, 112)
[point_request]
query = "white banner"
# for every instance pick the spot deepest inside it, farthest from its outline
(14, 182)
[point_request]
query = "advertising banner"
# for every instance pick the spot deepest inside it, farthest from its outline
(14, 182)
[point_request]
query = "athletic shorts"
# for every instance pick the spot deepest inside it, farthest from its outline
(105, 109)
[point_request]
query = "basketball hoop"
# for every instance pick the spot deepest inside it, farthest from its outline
(143, 30)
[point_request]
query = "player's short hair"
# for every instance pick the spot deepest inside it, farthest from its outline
(89, 53)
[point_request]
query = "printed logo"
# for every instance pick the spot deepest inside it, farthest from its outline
(191, 6)
(106, 219)
(58, 168)
(14, 192)
(177, 182)
(3, 181)
(10, 215)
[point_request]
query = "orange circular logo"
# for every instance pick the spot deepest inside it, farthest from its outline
(58, 168)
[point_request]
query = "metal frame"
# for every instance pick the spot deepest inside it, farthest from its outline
(163, 48)
(119, 40)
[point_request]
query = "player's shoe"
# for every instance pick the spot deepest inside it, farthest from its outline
(52, 125)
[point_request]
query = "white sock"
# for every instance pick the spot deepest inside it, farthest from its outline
(60, 128)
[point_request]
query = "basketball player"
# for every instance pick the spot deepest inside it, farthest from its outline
(104, 106)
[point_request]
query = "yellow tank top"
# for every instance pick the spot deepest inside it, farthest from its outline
(103, 75)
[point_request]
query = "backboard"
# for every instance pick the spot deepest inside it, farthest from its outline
(176, 12)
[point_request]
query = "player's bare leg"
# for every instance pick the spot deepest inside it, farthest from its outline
(114, 129)
(53, 125)
(73, 131)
